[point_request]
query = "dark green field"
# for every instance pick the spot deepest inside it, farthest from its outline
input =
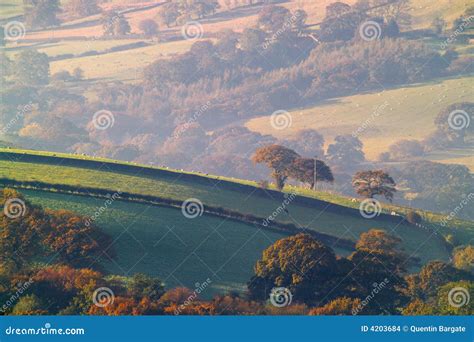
(163, 243)
(320, 212)
(323, 212)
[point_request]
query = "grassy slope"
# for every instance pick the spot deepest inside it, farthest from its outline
(162, 242)
(214, 193)
(122, 65)
(10, 8)
(406, 113)
(424, 11)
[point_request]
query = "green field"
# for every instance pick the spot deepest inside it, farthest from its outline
(163, 243)
(215, 191)
(392, 114)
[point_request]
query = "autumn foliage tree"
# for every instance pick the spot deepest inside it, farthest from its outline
(372, 183)
(42, 13)
(300, 263)
(377, 240)
(83, 8)
(463, 258)
(149, 27)
(38, 233)
(73, 239)
(343, 306)
(380, 264)
(453, 123)
(310, 171)
(278, 158)
(20, 242)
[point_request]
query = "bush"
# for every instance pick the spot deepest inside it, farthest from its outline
(413, 217)
(263, 184)
(404, 149)
(62, 76)
(384, 157)
(149, 27)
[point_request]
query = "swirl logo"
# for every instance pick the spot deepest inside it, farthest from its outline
(14, 31)
(192, 208)
(103, 296)
(370, 30)
(14, 208)
(458, 296)
(281, 119)
(103, 119)
(192, 30)
(459, 119)
(370, 208)
(280, 297)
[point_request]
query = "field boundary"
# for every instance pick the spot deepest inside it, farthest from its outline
(153, 173)
(233, 215)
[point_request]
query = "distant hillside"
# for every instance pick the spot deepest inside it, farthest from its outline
(400, 113)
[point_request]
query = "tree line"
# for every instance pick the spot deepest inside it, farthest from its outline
(286, 163)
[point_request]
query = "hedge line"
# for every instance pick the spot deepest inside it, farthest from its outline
(192, 178)
(257, 221)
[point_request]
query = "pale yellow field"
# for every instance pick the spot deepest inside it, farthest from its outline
(76, 47)
(424, 11)
(122, 65)
(404, 113)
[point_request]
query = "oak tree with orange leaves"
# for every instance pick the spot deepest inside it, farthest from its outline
(278, 158)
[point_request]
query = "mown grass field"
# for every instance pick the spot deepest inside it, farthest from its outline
(213, 191)
(163, 243)
(10, 8)
(391, 115)
(121, 65)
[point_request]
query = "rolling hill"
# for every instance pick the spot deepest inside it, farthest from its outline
(390, 115)
(151, 235)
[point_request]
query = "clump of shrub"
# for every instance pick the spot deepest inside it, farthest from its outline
(413, 217)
